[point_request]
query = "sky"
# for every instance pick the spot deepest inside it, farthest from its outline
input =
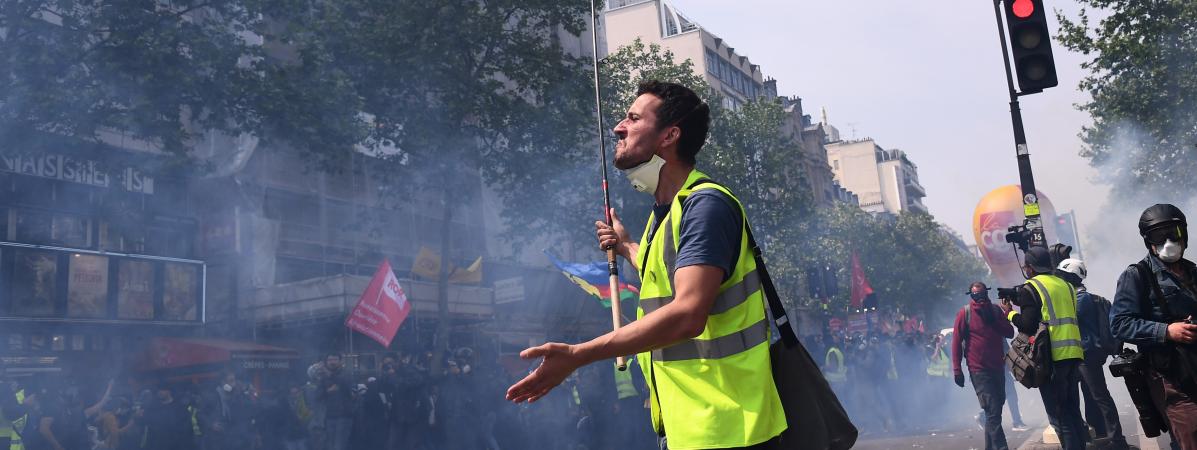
(924, 77)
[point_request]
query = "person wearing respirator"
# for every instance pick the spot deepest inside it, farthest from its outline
(1162, 328)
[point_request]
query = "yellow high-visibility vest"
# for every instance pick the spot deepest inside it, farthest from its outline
(715, 390)
(195, 428)
(1059, 311)
(18, 425)
(623, 384)
(939, 366)
(840, 372)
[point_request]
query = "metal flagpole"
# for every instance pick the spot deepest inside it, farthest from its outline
(612, 264)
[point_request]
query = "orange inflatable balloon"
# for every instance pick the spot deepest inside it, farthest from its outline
(997, 211)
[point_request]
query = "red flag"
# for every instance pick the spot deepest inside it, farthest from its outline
(382, 307)
(860, 284)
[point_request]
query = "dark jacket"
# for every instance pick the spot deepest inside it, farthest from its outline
(987, 332)
(1087, 321)
(168, 427)
(339, 402)
(1030, 313)
(1138, 319)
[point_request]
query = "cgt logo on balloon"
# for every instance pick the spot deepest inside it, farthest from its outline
(992, 231)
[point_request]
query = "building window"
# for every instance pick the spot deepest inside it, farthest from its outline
(836, 164)
(34, 226)
(34, 289)
(712, 63)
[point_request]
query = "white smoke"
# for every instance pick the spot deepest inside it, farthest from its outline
(1112, 242)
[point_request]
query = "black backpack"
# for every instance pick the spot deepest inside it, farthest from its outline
(1105, 338)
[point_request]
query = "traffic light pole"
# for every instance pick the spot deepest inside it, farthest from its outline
(1030, 197)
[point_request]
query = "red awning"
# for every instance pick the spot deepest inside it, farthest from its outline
(171, 353)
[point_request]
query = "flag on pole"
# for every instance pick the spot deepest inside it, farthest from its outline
(381, 308)
(467, 275)
(860, 284)
(427, 263)
(594, 279)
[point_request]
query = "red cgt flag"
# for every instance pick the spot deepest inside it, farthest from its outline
(860, 284)
(382, 307)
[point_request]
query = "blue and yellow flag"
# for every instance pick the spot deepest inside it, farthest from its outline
(593, 278)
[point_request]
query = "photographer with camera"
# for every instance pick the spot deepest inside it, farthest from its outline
(1153, 308)
(1045, 298)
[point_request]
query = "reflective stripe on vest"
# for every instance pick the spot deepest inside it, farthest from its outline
(840, 374)
(1059, 308)
(623, 384)
(715, 390)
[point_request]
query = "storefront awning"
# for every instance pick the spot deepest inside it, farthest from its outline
(173, 353)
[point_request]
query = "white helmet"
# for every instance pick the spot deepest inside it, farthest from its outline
(1075, 267)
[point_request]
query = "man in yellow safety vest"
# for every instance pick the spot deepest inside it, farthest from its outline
(1046, 298)
(701, 330)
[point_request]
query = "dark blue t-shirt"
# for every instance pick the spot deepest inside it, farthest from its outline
(710, 231)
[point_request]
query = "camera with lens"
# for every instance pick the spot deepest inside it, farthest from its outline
(1132, 368)
(1019, 235)
(1007, 293)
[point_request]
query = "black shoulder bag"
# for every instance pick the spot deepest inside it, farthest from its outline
(816, 420)
(815, 416)
(1030, 358)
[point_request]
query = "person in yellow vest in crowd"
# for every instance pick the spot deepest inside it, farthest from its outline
(833, 367)
(631, 407)
(939, 365)
(11, 413)
(701, 330)
(1048, 298)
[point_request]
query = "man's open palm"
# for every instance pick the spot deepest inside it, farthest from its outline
(559, 361)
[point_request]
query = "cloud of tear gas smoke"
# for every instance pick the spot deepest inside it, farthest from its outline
(1112, 242)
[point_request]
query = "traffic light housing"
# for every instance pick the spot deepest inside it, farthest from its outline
(1030, 42)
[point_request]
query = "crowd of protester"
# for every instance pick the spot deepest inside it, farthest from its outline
(893, 383)
(396, 404)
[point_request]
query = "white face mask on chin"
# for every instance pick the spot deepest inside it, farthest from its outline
(1170, 252)
(646, 175)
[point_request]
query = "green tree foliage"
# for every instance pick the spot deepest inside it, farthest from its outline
(913, 263)
(161, 72)
(1143, 83)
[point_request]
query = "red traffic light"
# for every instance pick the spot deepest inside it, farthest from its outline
(1023, 8)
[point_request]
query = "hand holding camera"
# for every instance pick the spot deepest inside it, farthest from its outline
(1183, 332)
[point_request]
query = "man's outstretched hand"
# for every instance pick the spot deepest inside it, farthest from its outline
(560, 360)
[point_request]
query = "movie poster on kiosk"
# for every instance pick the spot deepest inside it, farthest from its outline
(179, 300)
(87, 286)
(34, 285)
(135, 290)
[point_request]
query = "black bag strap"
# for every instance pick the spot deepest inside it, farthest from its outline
(1153, 288)
(779, 311)
(780, 318)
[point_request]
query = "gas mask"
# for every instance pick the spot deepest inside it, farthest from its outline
(1170, 252)
(644, 176)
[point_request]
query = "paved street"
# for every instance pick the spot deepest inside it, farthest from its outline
(965, 435)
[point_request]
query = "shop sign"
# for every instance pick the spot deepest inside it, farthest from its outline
(82, 171)
(510, 290)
